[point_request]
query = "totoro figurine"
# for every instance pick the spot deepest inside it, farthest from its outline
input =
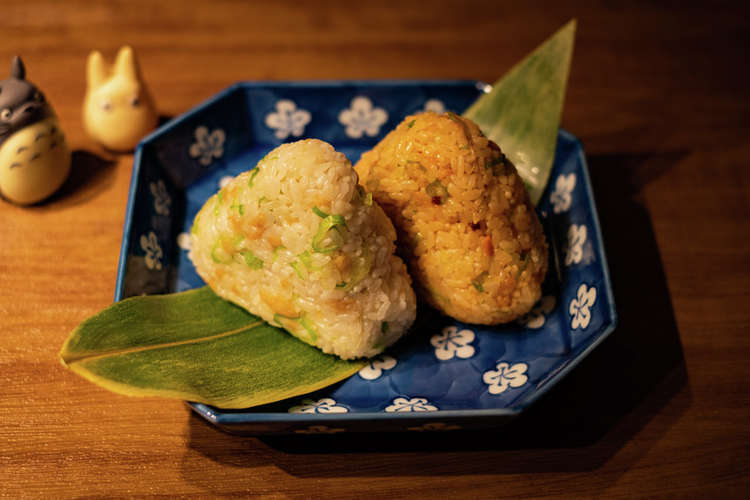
(34, 158)
(118, 109)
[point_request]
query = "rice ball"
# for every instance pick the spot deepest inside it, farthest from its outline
(297, 242)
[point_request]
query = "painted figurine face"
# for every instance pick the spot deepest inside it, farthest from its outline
(118, 109)
(21, 103)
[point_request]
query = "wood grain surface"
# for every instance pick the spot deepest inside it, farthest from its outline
(658, 95)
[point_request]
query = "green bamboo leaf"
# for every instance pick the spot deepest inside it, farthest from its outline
(197, 347)
(522, 111)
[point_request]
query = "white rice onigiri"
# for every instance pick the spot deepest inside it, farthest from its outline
(298, 243)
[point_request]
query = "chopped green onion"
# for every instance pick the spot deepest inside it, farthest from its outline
(252, 177)
(261, 200)
(319, 212)
(307, 260)
(217, 203)
(298, 270)
(436, 190)
(307, 325)
(240, 207)
(277, 318)
(411, 123)
(328, 223)
(251, 260)
(361, 267)
(479, 280)
(524, 263)
(364, 196)
(218, 254)
(343, 284)
(384, 327)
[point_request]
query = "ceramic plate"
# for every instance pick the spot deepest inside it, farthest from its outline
(445, 374)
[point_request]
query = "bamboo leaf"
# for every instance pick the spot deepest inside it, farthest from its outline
(196, 346)
(522, 111)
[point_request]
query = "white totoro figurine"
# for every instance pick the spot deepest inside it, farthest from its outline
(118, 109)
(34, 158)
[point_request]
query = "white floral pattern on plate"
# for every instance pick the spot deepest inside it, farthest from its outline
(536, 318)
(561, 196)
(410, 404)
(375, 368)
(288, 119)
(574, 248)
(325, 405)
(162, 200)
(154, 254)
(580, 307)
(452, 342)
(504, 376)
(362, 118)
(435, 426)
(207, 146)
(319, 429)
(434, 105)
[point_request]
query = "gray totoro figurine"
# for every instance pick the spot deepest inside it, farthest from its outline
(34, 158)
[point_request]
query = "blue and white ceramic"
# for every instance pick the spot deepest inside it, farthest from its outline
(445, 374)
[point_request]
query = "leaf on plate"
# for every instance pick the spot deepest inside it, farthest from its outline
(522, 111)
(198, 347)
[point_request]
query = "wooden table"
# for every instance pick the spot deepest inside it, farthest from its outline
(657, 95)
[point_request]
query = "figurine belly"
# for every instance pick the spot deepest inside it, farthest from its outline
(34, 162)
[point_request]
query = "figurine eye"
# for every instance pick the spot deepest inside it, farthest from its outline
(106, 105)
(6, 114)
(135, 102)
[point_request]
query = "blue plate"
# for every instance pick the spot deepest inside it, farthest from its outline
(445, 374)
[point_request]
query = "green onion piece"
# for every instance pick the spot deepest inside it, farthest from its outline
(524, 263)
(218, 254)
(307, 325)
(368, 199)
(298, 270)
(239, 206)
(343, 284)
(252, 177)
(319, 213)
(361, 267)
(436, 189)
(278, 317)
(251, 260)
(384, 327)
(479, 280)
(217, 203)
(411, 123)
(307, 260)
(328, 223)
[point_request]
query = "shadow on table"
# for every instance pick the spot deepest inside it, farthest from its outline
(637, 373)
(90, 173)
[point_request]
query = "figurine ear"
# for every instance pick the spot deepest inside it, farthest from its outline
(96, 73)
(17, 69)
(126, 64)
